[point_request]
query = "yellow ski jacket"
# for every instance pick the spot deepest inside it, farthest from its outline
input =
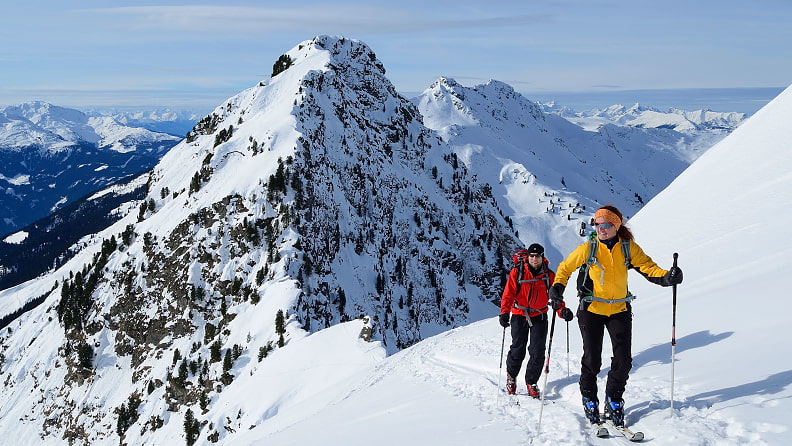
(608, 274)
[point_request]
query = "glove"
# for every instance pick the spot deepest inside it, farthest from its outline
(673, 276)
(557, 296)
(504, 319)
(567, 314)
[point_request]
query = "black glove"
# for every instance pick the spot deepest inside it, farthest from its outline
(557, 296)
(673, 276)
(567, 314)
(504, 319)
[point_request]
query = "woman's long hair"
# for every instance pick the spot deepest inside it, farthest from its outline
(624, 232)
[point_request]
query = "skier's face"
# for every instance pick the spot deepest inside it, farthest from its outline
(605, 230)
(534, 260)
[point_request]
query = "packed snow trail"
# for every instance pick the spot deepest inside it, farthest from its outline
(464, 363)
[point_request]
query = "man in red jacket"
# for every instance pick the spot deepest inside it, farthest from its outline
(525, 298)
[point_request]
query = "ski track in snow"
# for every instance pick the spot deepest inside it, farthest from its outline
(466, 365)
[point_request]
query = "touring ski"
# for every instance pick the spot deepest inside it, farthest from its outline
(516, 399)
(600, 430)
(626, 432)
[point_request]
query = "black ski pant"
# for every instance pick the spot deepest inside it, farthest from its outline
(533, 335)
(592, 330)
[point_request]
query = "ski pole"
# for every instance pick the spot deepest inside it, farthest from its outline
(500, 367)
(567, 340)
(673, 335)
(546, 371)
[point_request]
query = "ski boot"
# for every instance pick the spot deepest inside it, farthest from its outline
(591, 409)
(614, 411)
(511, 385)
(533, 391)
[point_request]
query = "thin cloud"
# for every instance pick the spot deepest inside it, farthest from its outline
(357, 19)
(607, 86)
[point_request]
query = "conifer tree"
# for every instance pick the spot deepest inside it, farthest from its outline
(283, 63)
(214, 351)
(280, 328)
(85, 355)
(191, 428)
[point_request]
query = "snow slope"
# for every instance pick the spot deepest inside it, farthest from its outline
(733, 360)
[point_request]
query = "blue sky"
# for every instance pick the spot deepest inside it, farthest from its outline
(195, 54)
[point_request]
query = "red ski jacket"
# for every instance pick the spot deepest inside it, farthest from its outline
(531, 294)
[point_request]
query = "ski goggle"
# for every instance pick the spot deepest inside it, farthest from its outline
(602, 225)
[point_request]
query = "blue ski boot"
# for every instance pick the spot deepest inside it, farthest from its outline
(614, 411)
(591, 409)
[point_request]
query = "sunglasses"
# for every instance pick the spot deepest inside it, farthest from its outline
(602, 225)
(535, 255)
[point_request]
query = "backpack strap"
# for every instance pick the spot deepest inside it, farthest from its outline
(533, 280)
(625, 245)
(592, 258)
(591, 297)
(520, 281)
(520, 273)
(531, 312)
(587, 295)
(529, 309)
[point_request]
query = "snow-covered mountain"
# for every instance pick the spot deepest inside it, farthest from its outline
(546, 171)
(53, 128)
(174, 122)
(319, 194)
(641, 116)
(51, 156)
(313, 225)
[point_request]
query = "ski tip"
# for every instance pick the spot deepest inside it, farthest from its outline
(601, 431)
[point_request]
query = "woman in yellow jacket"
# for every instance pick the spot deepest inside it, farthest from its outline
(605, 304)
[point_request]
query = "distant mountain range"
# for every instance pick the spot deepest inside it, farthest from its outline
(50, 156)
(173, 122)
(103, 146)
(132, 141)
(647, 117)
